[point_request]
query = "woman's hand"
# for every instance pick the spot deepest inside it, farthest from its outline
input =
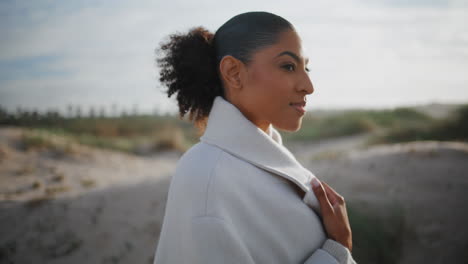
(334, 214)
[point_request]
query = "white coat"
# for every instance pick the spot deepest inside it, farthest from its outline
(236, 197)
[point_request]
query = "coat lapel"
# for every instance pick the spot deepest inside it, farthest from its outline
(230, 130)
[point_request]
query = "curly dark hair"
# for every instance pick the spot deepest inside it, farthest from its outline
(189, 62)
(189, 68)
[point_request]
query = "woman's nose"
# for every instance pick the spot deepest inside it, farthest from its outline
(307, 86)
(310, 86)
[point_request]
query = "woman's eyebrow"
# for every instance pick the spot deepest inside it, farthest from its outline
(293, 55)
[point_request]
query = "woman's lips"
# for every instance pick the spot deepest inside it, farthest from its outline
(299, 107)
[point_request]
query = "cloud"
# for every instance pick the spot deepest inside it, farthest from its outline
(100, 52)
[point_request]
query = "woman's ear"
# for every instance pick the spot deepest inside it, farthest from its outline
(230, 69)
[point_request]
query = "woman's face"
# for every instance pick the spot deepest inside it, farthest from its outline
(275, 85)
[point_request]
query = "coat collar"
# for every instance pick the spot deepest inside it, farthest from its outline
(231, 131)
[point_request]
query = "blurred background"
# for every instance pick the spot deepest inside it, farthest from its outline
(89, 140)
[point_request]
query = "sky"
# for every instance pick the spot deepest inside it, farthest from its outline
(363, 53)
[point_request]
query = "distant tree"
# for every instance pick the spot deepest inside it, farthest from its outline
(123, 113)
(102, 112)
(19, 112)
(78, 111)
(92, 112)
(4, 118)
(69, 111)
(35, 115)
(114, 109)
(134, 110)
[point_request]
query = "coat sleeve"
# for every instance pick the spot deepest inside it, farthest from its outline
(213, 240)
(331, 252)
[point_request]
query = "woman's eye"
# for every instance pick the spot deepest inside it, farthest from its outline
(289, 67)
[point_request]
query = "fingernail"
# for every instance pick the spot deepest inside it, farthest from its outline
(315, 182)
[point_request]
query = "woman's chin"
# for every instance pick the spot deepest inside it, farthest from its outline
(294, 127)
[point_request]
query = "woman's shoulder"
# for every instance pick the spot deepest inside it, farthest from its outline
(200, 177)
(211, 167)
(199, 158)
(196, 166)
(203, 158)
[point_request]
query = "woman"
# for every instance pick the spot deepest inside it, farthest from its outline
(238, 195)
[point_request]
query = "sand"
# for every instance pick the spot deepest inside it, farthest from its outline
(97, 206)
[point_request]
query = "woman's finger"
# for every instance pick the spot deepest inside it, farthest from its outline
(333, 196)
(321, 195)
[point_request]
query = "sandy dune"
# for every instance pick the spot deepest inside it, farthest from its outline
(427, 180)
(93, 206)
(96, 206)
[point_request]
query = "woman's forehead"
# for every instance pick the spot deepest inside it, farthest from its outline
(287, 46)
(290, 40)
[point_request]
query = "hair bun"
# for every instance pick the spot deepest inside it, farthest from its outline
(188, 68)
